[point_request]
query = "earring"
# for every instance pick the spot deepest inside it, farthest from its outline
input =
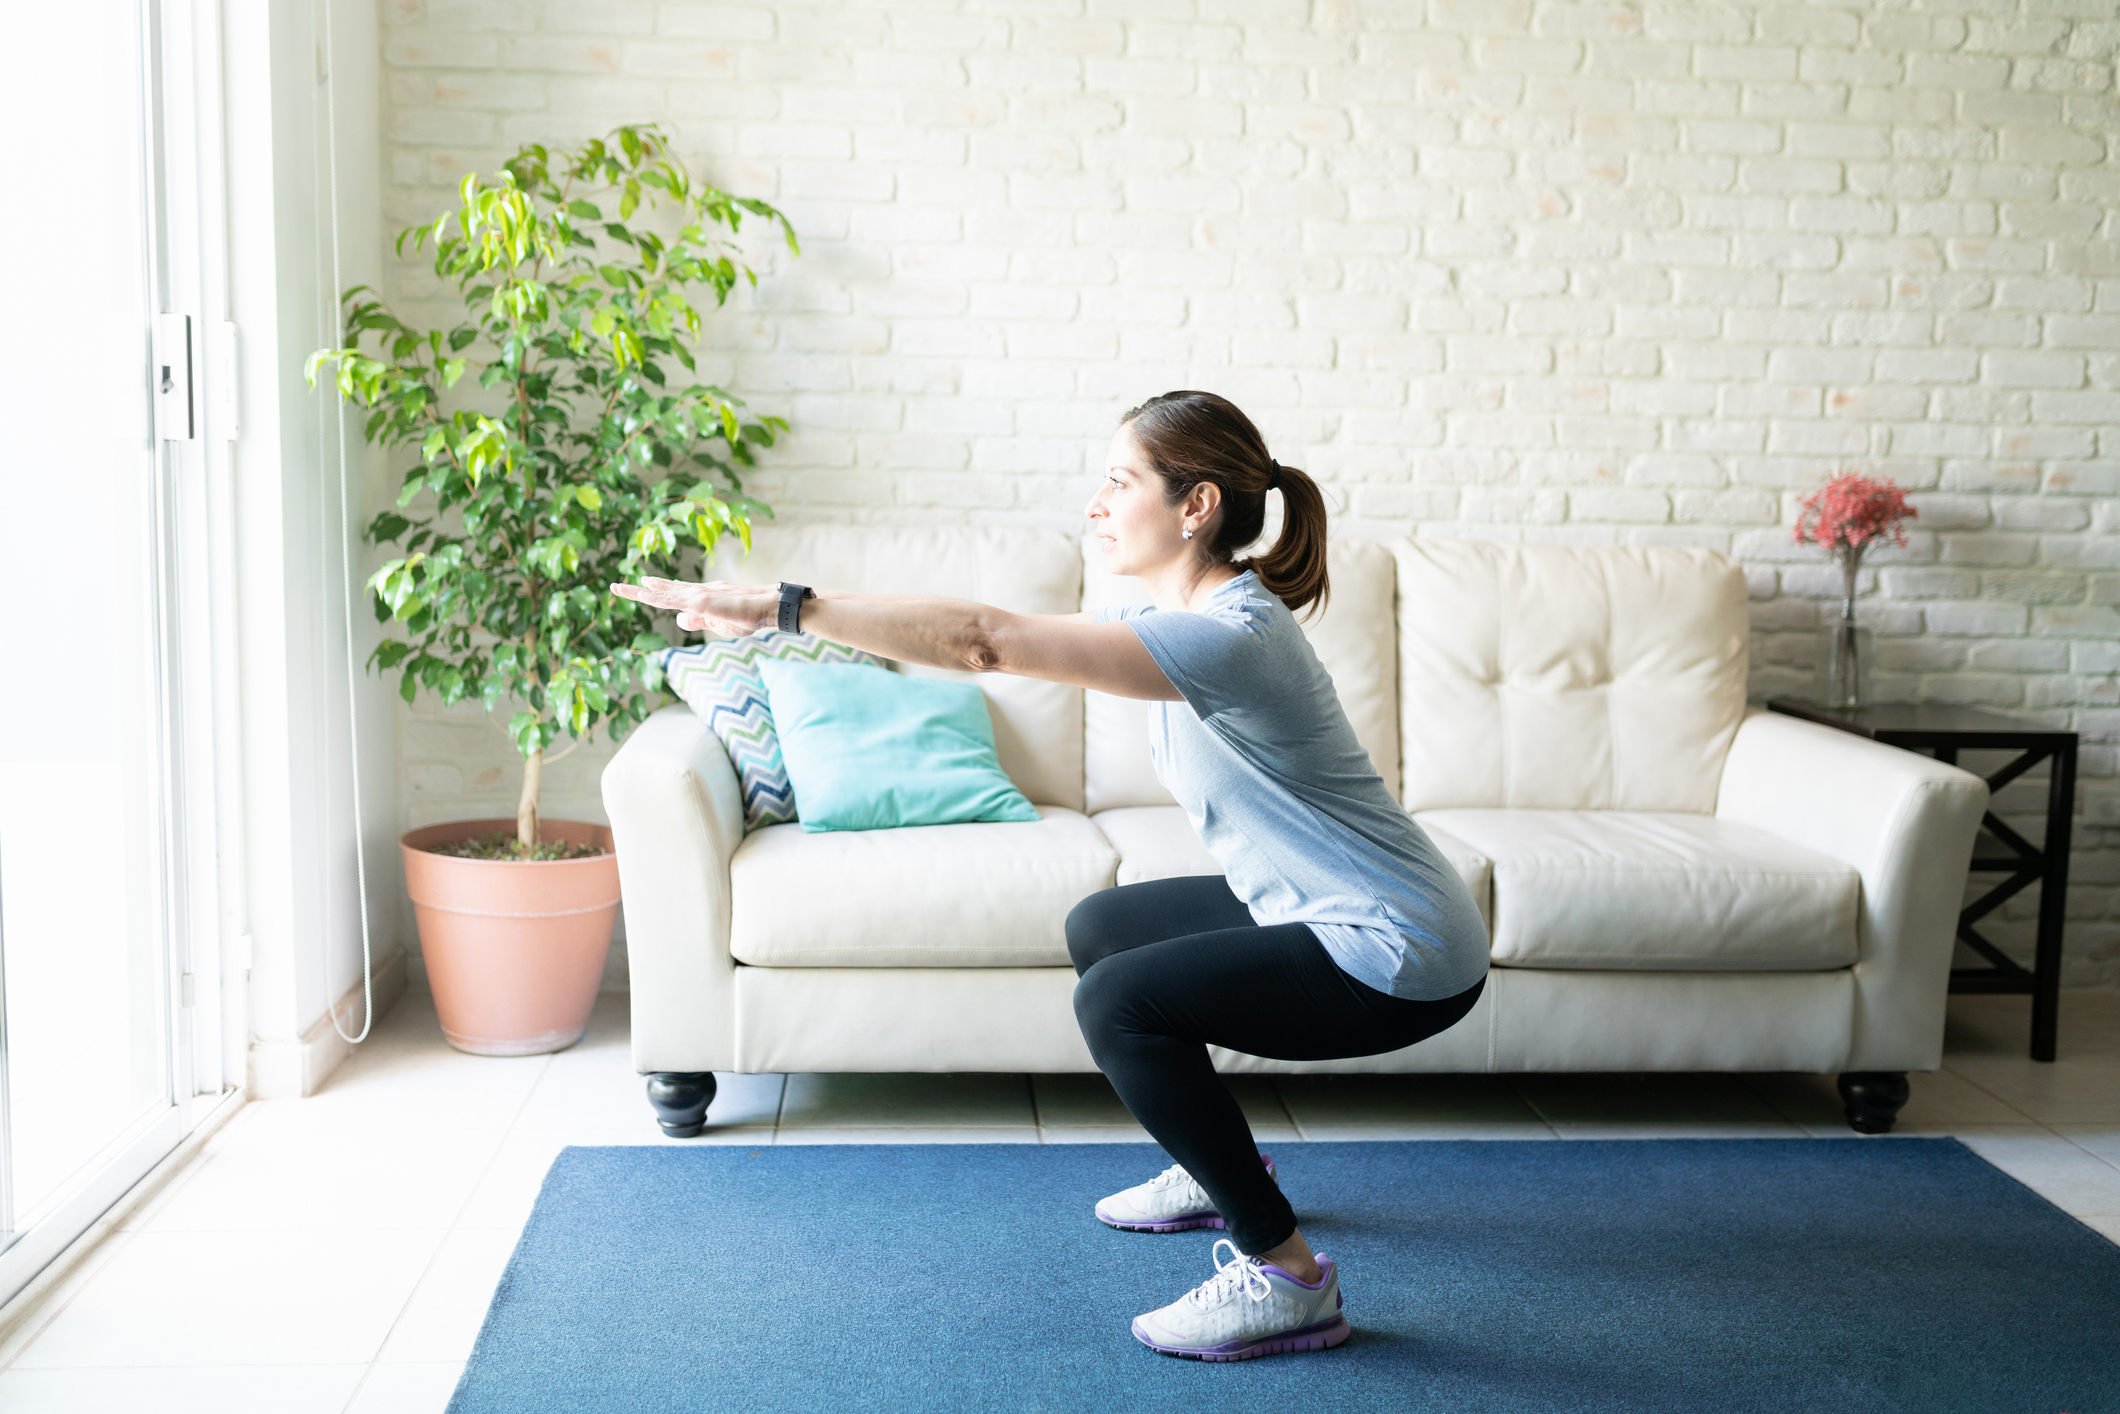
(1187, 534)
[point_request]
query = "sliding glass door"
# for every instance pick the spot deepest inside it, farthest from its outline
(97, 1079)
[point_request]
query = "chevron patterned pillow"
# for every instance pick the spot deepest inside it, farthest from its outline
(720, 681)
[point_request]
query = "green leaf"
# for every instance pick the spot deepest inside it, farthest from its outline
(570, 460)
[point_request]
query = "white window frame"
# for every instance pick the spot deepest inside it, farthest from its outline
(193, 613)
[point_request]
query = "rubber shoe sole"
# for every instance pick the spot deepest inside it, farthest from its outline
(1183, 1222)
(1322, 1336)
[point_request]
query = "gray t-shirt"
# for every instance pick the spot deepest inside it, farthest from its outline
(1261, 756)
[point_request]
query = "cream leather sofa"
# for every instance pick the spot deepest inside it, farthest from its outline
(1672, 881)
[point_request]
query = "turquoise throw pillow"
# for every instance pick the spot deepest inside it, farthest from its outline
(867, 749)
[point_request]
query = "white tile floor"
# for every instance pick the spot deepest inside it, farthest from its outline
(337, 1253)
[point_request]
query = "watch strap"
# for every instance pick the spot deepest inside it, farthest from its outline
(791, 597)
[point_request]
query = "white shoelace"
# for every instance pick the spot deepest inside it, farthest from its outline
(1239, 1273)
(1175, 1175)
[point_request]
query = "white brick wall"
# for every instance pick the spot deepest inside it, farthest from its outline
(1637, 273)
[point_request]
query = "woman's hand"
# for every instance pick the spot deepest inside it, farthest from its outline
(718, 606)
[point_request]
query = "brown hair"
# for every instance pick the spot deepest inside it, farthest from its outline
(1190, 437)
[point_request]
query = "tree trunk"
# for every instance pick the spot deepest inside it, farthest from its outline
(526, 808)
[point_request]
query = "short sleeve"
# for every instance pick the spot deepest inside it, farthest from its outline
(1210, 658)
(1114, 613)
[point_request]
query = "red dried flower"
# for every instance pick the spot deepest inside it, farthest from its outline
(1850, 511)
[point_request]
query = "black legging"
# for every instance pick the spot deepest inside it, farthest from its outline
(1171, 967)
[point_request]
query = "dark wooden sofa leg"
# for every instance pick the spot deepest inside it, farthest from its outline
(680, 1099)
(1873, 1098)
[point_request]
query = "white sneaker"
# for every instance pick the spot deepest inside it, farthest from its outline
(1248, 1309)
(1169, 1202)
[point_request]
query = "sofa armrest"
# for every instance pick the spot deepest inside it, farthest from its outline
(676, 814)
(1906, 823)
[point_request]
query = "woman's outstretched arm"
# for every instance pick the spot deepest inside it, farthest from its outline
(934, 632)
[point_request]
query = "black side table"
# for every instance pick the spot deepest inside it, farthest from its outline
(1999, 849)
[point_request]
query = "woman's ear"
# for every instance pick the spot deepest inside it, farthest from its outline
(1205, 498)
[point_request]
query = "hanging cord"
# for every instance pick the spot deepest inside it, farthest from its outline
(353, 677)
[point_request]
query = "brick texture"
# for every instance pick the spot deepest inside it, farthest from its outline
(1587, 273)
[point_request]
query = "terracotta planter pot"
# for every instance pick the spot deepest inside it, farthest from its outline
(514, 949)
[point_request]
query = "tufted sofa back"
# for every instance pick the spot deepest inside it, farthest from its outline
(1567, 678)
(1477, 675)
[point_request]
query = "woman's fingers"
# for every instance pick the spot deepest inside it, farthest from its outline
(662, 593)
(719, 606)
(674, 593)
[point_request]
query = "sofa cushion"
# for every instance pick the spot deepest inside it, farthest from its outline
(1353, 638)
(1567, 678)
(1037, 725)
(1158, 842)
(869, 749)
(981, 895)
(1154, 842)
(1659, 891)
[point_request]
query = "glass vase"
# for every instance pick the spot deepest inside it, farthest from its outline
(1844, 651)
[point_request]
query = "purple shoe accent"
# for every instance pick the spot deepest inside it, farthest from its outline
(1182, 1223)
(1323, 1335)
(1324, 1273)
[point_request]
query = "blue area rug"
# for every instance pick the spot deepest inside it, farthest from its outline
(1696, 1275)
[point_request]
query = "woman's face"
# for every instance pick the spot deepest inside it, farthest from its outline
(1132, 527)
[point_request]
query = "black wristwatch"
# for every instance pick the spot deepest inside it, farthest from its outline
(791, 597)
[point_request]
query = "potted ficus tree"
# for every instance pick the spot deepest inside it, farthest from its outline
(560, 447)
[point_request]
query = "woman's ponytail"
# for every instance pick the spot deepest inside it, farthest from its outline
(1191, 437)
(1294, 569)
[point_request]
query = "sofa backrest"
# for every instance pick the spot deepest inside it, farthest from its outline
(1037, 725)
(1353, 639)
(1567, 678)
(1477, 675)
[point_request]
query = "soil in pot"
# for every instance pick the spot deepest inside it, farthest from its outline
(508, 845)
(515, 948)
